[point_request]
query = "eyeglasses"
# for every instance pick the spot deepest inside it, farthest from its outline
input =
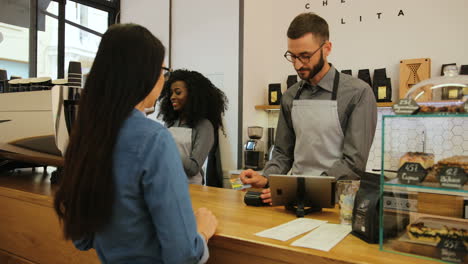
(303, 58)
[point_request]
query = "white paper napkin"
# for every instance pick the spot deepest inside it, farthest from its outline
(291, 229)
(323, 238)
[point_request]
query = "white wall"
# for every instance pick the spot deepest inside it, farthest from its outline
(429, 28)
(152, 14)
(206, 39)
(258, 32)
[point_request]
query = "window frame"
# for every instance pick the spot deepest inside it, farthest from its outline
(111, 7)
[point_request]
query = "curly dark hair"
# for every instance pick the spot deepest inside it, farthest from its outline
(205, 100)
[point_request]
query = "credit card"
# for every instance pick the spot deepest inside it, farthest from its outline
(237, 184)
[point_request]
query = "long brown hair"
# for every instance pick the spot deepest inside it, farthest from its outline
(126, 68)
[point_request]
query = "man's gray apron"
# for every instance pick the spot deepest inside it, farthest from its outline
(319, 137)
(183, 139)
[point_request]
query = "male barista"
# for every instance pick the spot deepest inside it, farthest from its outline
(327, 120)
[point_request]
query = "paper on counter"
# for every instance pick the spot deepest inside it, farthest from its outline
(323, 238)
(291, 229)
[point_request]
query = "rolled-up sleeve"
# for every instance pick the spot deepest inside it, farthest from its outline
(165, 191)
(358, 138)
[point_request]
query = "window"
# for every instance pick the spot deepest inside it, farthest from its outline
(14, 39)
(61, 31)
(81, 44)
(47, 42)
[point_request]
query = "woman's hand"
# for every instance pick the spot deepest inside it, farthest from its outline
(206, 223)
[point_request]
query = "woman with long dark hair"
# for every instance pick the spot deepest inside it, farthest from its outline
(124, 191)
(193, 107)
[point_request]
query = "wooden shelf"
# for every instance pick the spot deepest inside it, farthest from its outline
(389, 104)
(426, 187)
(267, 107)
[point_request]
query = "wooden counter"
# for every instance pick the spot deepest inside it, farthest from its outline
(29, 227)
(30, 233)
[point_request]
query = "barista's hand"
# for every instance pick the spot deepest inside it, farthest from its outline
(257, 181)
(266, 196)
(253, 178)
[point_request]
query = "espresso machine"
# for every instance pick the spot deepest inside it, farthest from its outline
(254, 149)
(36, 122)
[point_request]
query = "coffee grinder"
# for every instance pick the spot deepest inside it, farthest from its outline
(254, 149)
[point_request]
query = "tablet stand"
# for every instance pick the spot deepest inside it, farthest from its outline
(298, 206)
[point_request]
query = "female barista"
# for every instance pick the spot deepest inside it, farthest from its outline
(122, 191)
(192, 107)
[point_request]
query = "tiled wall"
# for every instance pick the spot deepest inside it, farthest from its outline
(442, 136)
(374, 161)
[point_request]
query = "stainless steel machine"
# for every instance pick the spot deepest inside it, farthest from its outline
(254, 149)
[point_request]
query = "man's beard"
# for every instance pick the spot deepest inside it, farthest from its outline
(316, 69)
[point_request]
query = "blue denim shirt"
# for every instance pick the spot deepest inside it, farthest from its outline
(152, 220)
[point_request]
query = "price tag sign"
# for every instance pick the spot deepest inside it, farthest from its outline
(452, 249)
(411, 173)
(452, 177)
(405, 107)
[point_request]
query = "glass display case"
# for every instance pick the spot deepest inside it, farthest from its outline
(424, 188)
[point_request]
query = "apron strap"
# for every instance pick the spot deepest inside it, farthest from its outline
(299, 92)
(336, 81)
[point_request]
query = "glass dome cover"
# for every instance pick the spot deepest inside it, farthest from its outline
(446, 93)
(432, 89)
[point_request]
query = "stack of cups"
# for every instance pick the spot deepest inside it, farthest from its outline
(41, 83)
(74, 79)
(13, 84)
(24, 85)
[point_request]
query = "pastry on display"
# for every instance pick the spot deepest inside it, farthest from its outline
(454, 161)
(420, 232)
(425, 159)
(432, 175)
(442, 109)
